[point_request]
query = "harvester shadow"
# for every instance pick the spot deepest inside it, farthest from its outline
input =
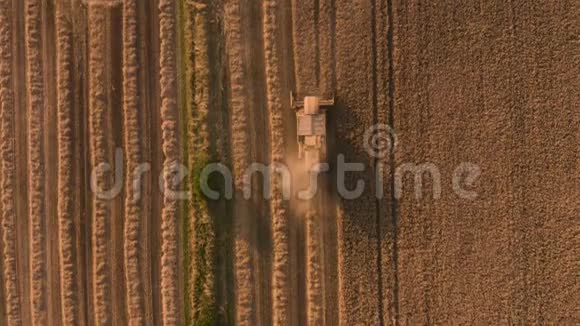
(369, 213)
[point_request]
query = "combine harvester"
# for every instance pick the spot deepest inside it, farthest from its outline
(311, 127)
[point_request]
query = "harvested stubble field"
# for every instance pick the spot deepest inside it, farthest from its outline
(101, 100)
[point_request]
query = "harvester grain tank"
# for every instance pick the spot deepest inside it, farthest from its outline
(311, 126)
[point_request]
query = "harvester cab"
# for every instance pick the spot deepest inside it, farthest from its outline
(311, 126)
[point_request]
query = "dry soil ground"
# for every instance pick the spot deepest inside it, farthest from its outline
(460, 88)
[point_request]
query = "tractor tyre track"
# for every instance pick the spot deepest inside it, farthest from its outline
(146, 110)
(50, 154)
(115, 120)
(21, 158)
(81, 146)
(150, 51)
